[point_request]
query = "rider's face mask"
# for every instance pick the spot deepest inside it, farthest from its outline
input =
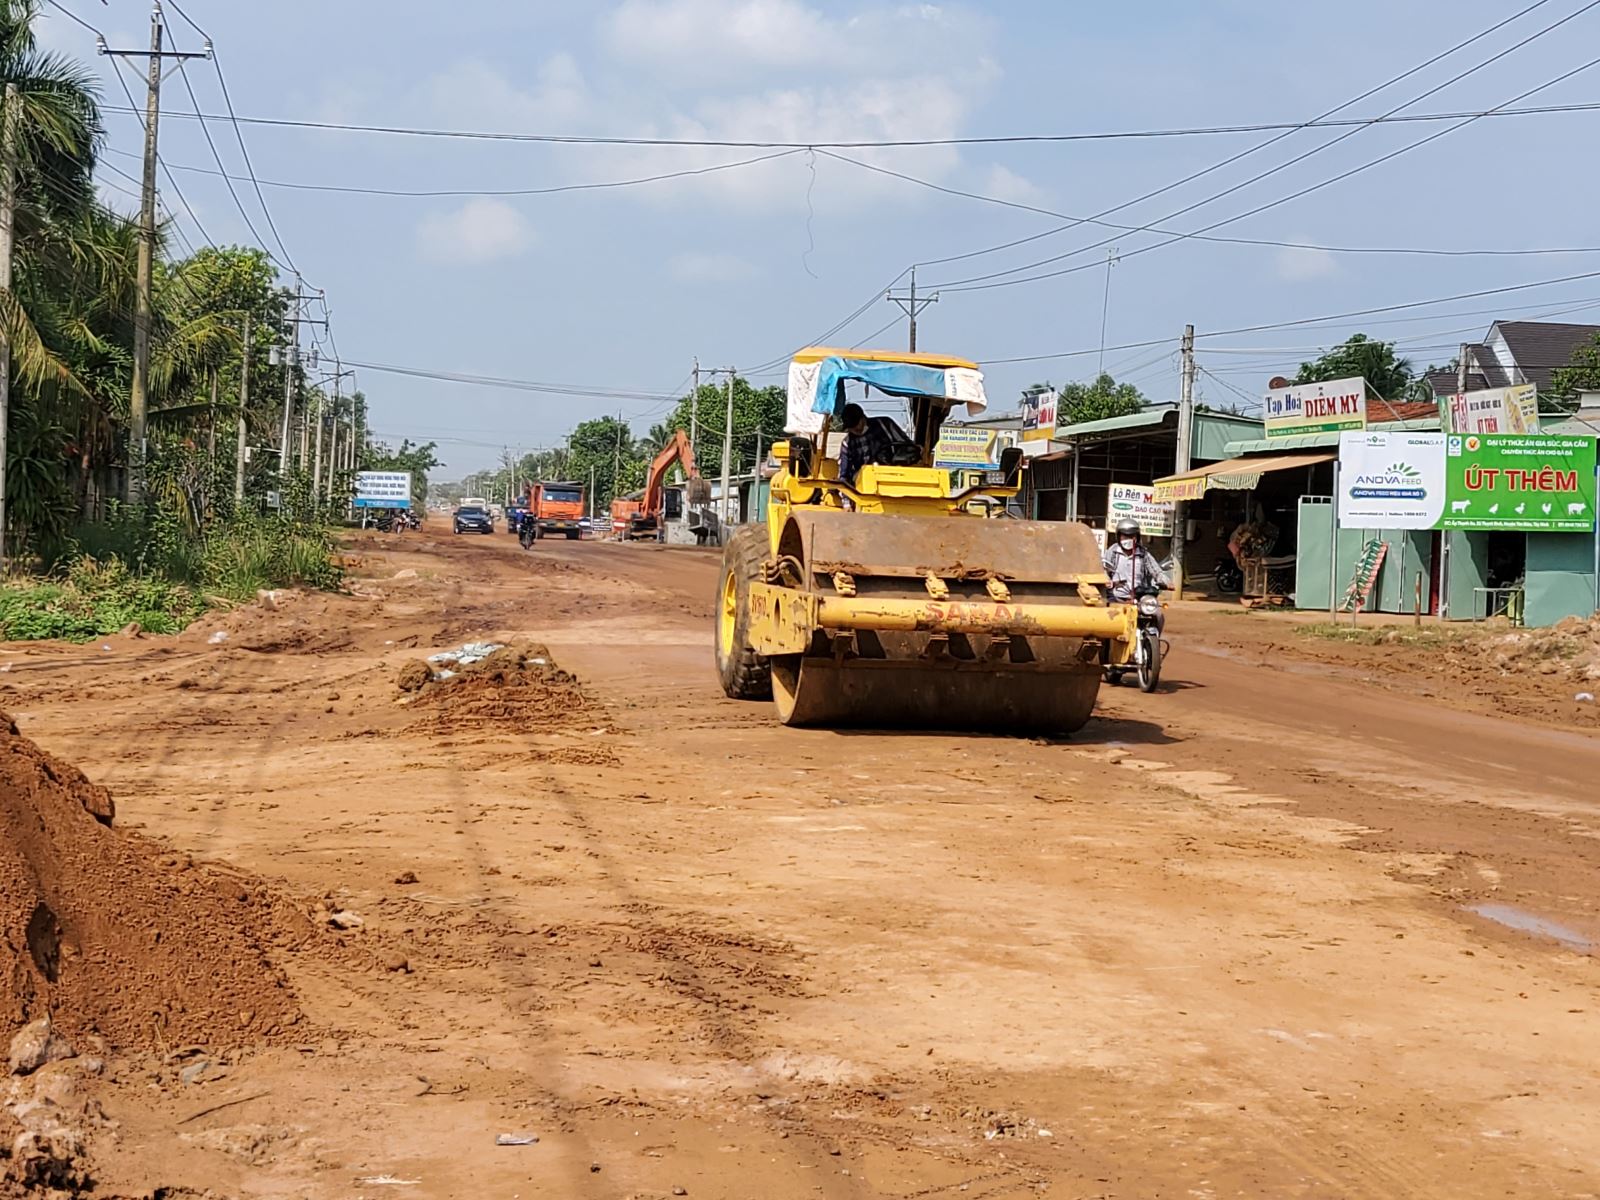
(1127, 544)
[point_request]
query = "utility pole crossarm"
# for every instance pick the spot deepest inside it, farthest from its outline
(912, 305)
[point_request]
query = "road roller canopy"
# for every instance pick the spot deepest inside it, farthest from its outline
(817, 379)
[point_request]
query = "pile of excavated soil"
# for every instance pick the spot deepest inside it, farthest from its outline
(1569, 649)
(108, 934)
(516, 687)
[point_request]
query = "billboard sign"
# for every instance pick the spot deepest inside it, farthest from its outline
(962, 447)
(1038, 416)
(383, 489)
(1529, 483)
(1328, 407)
(1540, 484)
(1391, 480)
(1494, 410)
(1136, 500)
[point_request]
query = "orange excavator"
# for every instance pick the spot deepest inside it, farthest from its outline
(642, 519)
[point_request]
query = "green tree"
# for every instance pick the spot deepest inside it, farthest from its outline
(1389, 376)
(606, 447)
(755, 410)
(1097, 401)
(1581, 374)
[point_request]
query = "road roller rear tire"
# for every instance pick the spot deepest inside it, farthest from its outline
(745, 674)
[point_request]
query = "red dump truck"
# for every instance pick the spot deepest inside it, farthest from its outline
(553, 509)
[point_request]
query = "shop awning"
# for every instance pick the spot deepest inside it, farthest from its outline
(1233, 474)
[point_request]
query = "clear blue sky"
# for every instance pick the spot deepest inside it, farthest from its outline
(619, 289)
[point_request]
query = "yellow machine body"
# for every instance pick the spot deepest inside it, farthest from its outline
(895, 600)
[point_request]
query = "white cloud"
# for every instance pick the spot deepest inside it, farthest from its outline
(1296, 264)
(1005, 184)
(734, 38)
(701, 32)
(481, 230)
(713, 267)
(473, 94)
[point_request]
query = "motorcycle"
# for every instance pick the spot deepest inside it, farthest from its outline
(1147, 648)
(527, 532)
(1229, 578)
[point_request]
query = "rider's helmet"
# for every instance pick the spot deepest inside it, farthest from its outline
(1127, 528)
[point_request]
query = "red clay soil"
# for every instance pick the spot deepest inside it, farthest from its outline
(110, 935)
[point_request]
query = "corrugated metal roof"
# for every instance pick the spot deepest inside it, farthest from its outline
(1572, 427)
(1314, 441)
(1212, 430)
(1147, 418)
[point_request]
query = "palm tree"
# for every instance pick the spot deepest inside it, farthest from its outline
(58, 134)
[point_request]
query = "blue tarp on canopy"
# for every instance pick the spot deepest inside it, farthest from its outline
(894, 379)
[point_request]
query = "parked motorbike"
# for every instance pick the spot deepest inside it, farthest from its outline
(1147, 647)
(1229, 578)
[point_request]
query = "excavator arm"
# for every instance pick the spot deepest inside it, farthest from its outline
(677, 450)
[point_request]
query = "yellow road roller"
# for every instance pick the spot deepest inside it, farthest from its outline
(887, 588)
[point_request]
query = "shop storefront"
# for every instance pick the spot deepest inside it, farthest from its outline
(1083, 466)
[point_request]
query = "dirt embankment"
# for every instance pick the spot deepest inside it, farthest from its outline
(1549, 675)
(108, 934)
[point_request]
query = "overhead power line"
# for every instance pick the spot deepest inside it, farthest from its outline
(978, 282)
(535, 191)
(1288, 130)
(1327, 319)
(885, 143)
(1315, 122)
(990, 281)
(244, 151)
(519, 385)
(1238, 241)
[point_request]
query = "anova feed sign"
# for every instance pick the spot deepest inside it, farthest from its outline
(1532, 483)
(1391, 480)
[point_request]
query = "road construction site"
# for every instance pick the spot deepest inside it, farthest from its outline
(577, 925)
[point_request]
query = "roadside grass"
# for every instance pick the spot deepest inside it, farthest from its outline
(1385, 635)
(162, 582)
(94, 599)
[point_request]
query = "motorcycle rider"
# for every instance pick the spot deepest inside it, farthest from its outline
(1130, 566)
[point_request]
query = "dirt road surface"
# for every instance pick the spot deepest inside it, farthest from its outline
(1225, 942)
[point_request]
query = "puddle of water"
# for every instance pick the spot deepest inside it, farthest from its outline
(1523, 921)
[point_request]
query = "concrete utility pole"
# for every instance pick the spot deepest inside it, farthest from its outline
(8, 212)
(211, 441)
(139, 387)
(244, 409)
(694, 410)
(333, 435)
(912, 306)
(316, 454)
(591, 491)
(727, 461)
(1105, 308)
(291, 360)
(138, 393)
(616, 460)
(1185, 441)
